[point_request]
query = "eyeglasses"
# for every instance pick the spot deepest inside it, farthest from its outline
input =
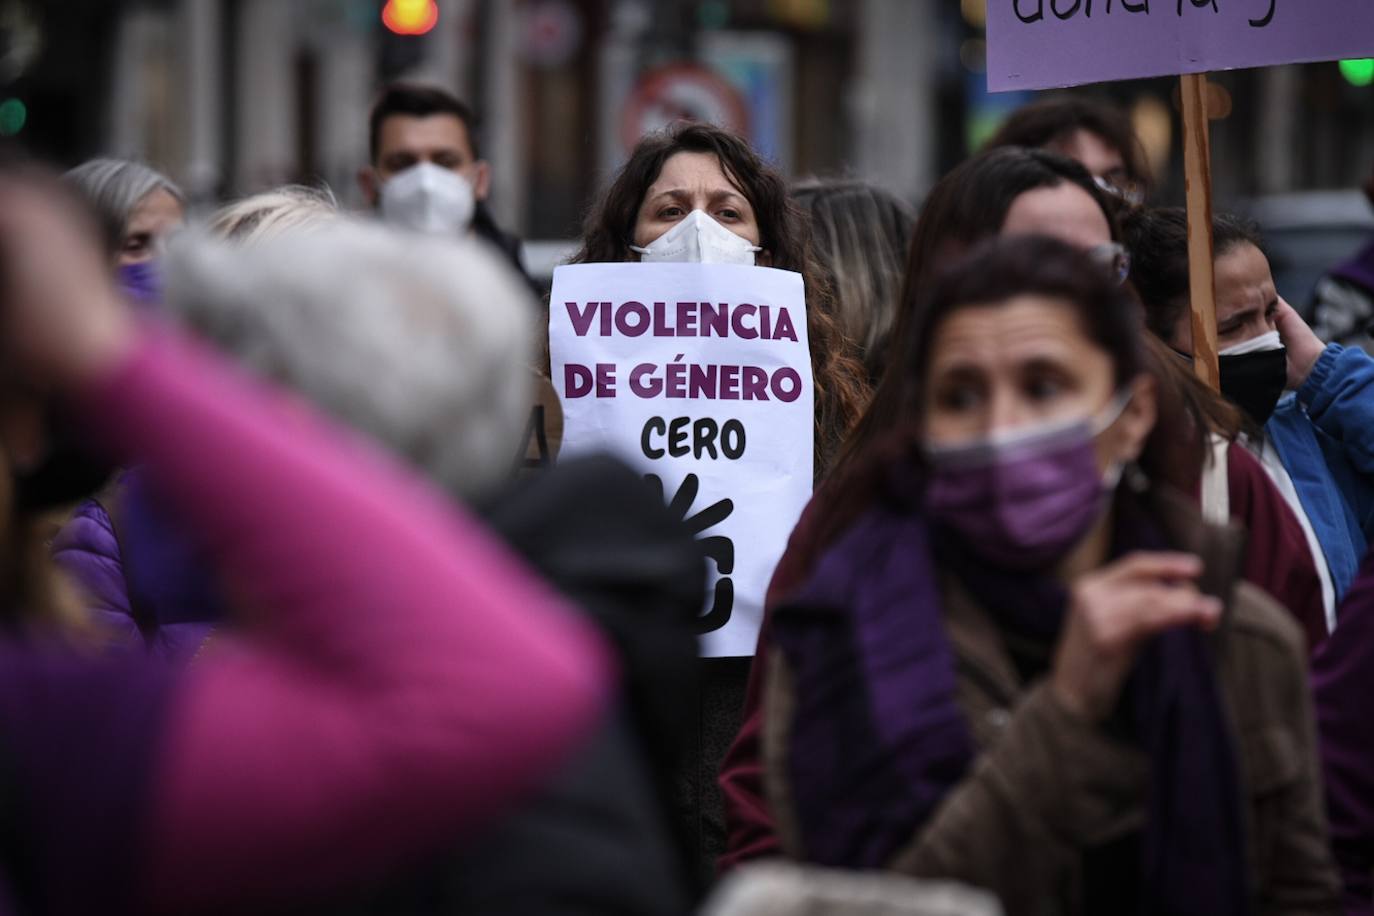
(1129, 191)
(1114, 258)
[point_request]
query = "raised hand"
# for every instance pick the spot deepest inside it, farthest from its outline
(1304, 347)
(62, 322)
(1112, 612)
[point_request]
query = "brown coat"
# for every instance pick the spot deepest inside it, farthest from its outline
(1047, 785)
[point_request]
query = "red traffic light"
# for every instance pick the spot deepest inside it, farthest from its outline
(410, 17)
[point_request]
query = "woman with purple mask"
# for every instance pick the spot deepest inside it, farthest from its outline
(1044, 670)
(138, 208)
(1009, 192)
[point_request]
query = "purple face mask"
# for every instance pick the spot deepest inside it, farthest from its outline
(142, 282)
(1022, 501)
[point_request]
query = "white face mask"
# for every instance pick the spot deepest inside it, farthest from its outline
(699, 239)
(428, 198)
(1260, 344)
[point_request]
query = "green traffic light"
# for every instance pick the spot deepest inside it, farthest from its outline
(13, 114)
(1358, 72)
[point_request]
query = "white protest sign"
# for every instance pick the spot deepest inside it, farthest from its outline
(699, 375)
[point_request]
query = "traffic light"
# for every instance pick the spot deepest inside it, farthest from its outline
(410, 17)
(1358, 72)
(13, 114)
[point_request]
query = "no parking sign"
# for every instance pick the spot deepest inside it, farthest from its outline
(681, 92)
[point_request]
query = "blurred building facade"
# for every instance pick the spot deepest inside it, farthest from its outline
(231, 96)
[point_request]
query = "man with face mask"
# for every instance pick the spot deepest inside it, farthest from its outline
(1310, 406)
(427, 172)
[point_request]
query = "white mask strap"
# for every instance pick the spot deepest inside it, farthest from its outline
(1260, 344)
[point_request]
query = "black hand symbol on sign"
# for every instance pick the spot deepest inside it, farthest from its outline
(718, 548)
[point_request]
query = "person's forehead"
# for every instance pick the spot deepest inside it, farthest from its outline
(689, 171)
(418, 133)
(158, 206)
(1065, 212)
(1091, 150)
(1243, 279)
(1022, 327)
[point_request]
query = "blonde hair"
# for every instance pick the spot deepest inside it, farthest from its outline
(861, 235)
(265, 217)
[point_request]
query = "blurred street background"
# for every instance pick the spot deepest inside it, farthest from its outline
(233, 96)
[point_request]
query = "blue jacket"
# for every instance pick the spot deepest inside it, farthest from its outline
(1324, 434)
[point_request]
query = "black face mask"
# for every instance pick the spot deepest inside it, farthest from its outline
(67, 473)
(1254, 382)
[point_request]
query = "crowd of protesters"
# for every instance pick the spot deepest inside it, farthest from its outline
(1062, 629)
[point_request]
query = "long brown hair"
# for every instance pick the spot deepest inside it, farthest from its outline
(841, 386)
(861, 234)
(995, 272)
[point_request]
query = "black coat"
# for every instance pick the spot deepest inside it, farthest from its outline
(603, 838)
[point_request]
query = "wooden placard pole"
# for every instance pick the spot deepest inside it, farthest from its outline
(1197, 163)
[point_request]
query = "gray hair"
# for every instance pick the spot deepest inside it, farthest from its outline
(114, 188)
(778, 888)
(861, 235)
(421, 343)
(264, 217)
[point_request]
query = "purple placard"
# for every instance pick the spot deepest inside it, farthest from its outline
(1041, 44)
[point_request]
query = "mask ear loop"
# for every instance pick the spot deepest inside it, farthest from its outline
(1117, 471)
(1112, 412)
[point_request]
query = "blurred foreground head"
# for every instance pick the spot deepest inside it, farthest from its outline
(422, 344)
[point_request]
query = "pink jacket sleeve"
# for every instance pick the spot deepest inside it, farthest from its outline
(401, 679)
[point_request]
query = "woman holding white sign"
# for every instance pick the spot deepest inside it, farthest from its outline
(700, 193)
(1045, 672)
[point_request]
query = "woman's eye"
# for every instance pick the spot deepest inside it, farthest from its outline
(729, 213)
(957, 398)
(670, 213)
(136, 244)
(1044, 389)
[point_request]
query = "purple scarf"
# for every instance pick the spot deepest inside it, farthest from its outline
(878, 738)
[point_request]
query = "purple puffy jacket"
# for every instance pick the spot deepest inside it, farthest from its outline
(164, 602)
